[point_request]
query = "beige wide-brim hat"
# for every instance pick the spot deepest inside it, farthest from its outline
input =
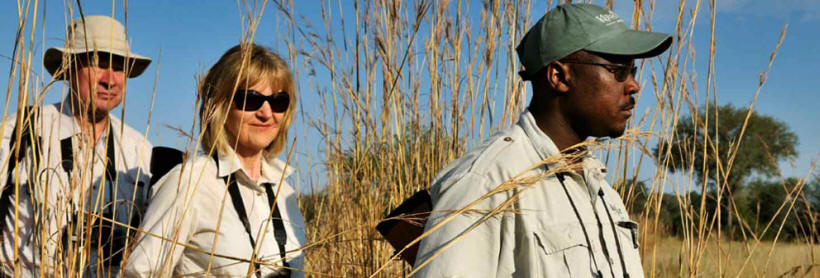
(98, 33)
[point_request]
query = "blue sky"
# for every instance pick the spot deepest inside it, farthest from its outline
(746, 32)
(186, 37)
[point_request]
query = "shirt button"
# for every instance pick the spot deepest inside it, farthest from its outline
(508, 139)
(258, 193)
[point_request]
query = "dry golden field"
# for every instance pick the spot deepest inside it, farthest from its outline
(767, 259)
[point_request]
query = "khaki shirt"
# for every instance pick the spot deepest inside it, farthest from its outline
(192, 208)
(41, 226)
(542, 235)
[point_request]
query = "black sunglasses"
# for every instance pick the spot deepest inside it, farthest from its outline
(101, 60)
(250, 100)
(622, 72)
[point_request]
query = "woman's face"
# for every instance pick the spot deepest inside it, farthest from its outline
(251, 131)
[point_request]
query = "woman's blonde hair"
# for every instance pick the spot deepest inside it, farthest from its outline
(242, 66)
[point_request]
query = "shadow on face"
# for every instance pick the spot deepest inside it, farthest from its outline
(97, 82)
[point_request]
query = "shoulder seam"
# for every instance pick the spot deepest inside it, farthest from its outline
(491, 152)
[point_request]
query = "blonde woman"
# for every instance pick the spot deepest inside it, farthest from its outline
(230, 214)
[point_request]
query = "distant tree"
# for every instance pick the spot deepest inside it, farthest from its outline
(766, 141)
(812, 206)
(764, 200)
(640, 199)
(637, 194)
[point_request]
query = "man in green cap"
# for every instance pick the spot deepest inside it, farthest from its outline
(580, 61)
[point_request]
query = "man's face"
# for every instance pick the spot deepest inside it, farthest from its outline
(598, 103)
(99, 83)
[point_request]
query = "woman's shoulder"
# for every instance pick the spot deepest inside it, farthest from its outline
(279, 172)
(199, 160)
(195, 170)
(198, 167)
(279, 167)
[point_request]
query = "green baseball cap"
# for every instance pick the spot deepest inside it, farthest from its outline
(571, 27)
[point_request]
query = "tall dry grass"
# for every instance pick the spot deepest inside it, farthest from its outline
(404, 87)
(416, 83)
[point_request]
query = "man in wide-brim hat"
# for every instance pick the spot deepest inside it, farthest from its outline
(98, 39)
(78, 178)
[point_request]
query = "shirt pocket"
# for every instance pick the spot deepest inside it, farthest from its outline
(563, 251)
(628, 236)
(628, 233)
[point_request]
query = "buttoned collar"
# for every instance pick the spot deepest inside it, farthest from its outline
(273, 170)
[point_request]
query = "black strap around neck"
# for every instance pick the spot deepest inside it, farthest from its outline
(239, 206)
(67, 161)
(279, 232)
(561, 177)
(111, 164)
(67, 153)
(614, 233)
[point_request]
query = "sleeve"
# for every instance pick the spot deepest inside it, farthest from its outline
(138, 150)
(145, 156)
(168, 223)
(464, 253)
(5, 156)
(37, 240)
(5, 151)
(297, 223)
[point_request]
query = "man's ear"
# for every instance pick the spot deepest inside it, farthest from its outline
(558, 77)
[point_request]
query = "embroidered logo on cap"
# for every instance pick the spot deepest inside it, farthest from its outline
(609, 18)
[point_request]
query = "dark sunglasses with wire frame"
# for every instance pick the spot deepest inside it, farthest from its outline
(622, 72)
(250, 100)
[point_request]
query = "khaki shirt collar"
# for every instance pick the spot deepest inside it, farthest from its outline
(594, 170)
(542, 143)
(67, 125)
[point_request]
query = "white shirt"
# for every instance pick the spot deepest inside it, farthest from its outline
(191, 227)
(540, 235)
(40, 226)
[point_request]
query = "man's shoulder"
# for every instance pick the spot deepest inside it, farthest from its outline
(45, 114)
(505, 154)
(130, 136)
(9, 123)
(127, 130)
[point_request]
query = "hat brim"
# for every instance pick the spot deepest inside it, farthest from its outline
(53, 60)
(635, 44)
